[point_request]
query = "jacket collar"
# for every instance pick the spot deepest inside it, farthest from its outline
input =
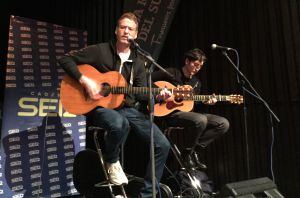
(133, 53)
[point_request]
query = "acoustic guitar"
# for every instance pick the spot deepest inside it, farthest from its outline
(76, 101)
(184, 98)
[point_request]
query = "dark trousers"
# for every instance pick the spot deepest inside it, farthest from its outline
(203, 128)
(117, 122)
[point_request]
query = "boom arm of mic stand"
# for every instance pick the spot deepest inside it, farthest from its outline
(250, 85)
(148, 57)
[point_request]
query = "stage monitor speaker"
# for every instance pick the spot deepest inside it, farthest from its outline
(260, 187)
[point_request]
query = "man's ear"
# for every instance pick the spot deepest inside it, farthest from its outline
(135, 35)
(186, 61)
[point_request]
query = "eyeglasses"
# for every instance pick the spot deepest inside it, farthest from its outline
(197, 64)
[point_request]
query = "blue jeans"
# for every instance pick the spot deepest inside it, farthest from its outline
(117, 122)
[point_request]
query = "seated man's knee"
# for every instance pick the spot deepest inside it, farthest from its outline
(120, 124)
(225, 125)
(200, 122)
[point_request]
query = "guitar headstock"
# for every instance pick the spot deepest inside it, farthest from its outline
(235, 99)
(183, 92)
(183, 88)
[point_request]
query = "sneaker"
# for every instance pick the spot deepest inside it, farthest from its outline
(116, 174)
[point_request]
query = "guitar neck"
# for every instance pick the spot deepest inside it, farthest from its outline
(203, 98)
(132, 90)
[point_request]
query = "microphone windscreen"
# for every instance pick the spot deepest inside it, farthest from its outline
(213, 46)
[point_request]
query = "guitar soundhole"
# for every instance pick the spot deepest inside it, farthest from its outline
(178, 99)
(106, 89)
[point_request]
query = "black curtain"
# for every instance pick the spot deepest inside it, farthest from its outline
(266, 35)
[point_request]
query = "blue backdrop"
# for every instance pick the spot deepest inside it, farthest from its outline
(39, 139)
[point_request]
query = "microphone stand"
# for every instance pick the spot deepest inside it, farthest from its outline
(254, 93)
(150, 62)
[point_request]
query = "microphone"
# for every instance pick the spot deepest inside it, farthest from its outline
(137, 47)
(215, 46)
(132, 42)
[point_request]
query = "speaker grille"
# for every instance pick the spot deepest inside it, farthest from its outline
(251, 187)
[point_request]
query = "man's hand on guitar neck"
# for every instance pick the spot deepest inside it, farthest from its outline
(212, 100)
(91, 87)
(164, 95)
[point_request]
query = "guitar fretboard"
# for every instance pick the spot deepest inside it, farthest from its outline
(132, 90)
(207, 97)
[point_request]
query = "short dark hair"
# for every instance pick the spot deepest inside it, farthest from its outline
(131, 16)
(195, 54)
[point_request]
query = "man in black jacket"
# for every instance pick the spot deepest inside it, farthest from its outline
(204, 128)
(118, 56)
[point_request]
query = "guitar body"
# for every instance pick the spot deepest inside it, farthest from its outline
(75, 100)
(162, 109)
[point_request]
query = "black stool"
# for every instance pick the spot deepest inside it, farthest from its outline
(106, 183)
(176, 152)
